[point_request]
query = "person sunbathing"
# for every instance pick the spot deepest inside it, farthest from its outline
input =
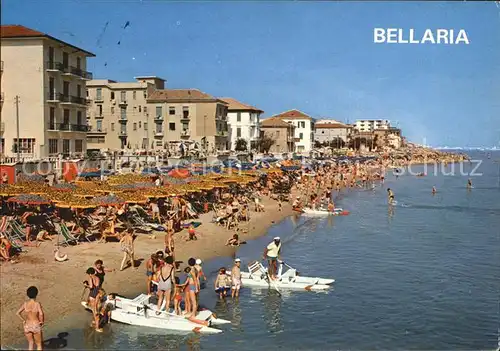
(5, 246)
(233, 241)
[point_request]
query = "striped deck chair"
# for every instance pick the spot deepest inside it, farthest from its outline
(17, 230)
(68, 238)
(4, 224)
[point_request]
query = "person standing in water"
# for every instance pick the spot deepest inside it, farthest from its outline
(434, 191)
(165, 284)
(236, 278)
(390, 196)
(469, 184)
(34, 320)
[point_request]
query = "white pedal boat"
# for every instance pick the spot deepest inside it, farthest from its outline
(257, 277)
(141, 312)
(324, 212)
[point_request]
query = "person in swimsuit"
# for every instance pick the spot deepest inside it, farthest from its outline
(92, 283)
(236, 278)
(178, 296)
(34, 320)
(98, 310)
(222, 283)
(5, 246)
(150, 269)
(390, 195)
(434, 190)
(100, 271)
(191, 291)
(165, 284)
(127, 246)
(200, 273)
(233, 241)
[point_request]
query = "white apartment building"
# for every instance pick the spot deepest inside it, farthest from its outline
(48, 76)
(243, 123)
(119, 117)
(369, 125)
(304, 128)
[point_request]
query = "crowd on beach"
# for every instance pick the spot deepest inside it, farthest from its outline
(309, 186)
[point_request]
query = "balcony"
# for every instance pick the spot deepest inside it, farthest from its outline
(70, 99)
(221, 133)
(122, 102)
(158, 118)
(185, 133)
(66, 127)
(185, 118)
(75, 71)
(92, 130)
(54, 97)
(123, 119)
(55, 66)
(122, 133)
(158, 134)
(98, 99)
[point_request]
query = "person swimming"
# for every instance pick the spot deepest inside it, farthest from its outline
(434, 190)
(390, 195)
(469, 184)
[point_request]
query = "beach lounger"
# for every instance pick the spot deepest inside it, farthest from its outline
(68, 238)
(17, 230)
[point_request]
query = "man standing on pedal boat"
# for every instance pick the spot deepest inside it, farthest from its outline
(272, 254)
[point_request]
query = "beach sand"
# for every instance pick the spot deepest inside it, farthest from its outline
(60, 283)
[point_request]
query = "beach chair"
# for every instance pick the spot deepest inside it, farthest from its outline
(68, 238)
(17, 230)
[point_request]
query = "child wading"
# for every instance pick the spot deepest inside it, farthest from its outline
(222, 283)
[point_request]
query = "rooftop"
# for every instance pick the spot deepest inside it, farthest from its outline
(275, 122)
(235, 105)
(292, 114)
(16, 31)
(150, 77)
(184, 95)
(332, 125)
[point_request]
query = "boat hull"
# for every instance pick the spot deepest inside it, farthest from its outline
(336, 212)
(296, 283)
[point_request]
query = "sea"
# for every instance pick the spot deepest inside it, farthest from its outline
(423, 274)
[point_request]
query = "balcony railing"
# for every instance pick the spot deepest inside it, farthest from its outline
(221, 133)
(122, 133)
(159, 118)
(55, 66)
(185, 118)
(73, 99)
(96, 130)
(53, 96)
(186, 132)
(65, 127)
(122, 102)
(78, 72)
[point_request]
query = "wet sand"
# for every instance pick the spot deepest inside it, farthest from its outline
(60, 283)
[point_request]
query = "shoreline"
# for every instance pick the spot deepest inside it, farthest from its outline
(60, 303)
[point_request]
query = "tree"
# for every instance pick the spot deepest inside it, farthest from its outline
(266, 143)
(241, 145)
(317, 144)
(337, 143)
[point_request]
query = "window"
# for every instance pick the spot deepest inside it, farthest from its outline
(78, 145)
(65, 146)
(134, 95)
(185, 111)
(139, 124)
(79, 118)
(65, 88)
(99, 125)
(51, 56)
(65, 60)
(112, 127)
(98, 94)
(96, 140)
(159, 128)
(238, 116)
(52, 119)
(135, 126)
(53, 143)
(123, 113)
(139, 108)
(123, 129)
(123, 96)
(145, 109)
(301, 136)
(26, 145)
(78, 63)
(66, 117)
(158, 111)
(159, 143)
(99, 110)
(112, 110)
(171, 110)
(238, 132)
(145, 94)
(112, 94)
(171, 126)
(79, 90)
(185, 126)
(277, 134)
(145, 125)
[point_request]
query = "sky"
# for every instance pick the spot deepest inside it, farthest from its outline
(318, 57)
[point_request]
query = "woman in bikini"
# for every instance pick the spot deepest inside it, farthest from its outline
(191, 291)
(127, 247)
(165, 284)
(34, 320)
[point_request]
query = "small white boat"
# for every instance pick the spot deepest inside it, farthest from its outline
(141, 312)
(324, 212)
(257, 276)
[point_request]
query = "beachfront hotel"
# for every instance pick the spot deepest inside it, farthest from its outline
(329, 131)
(243, 123)
(119, 117)
(369, 125)
(44, 79)
(304, 128)
(281, 132)
(189, 116)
